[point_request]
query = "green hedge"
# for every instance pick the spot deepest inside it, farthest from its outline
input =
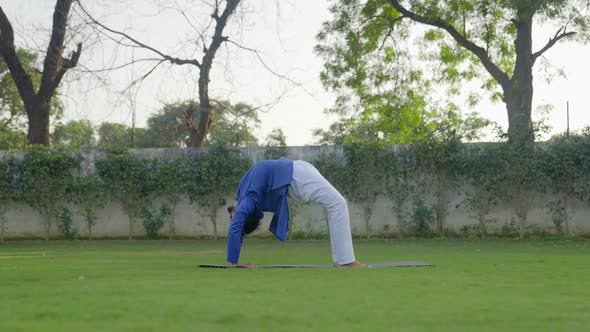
(47, 180)
(417, 179)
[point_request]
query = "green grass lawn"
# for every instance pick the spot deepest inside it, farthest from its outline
(492, 285)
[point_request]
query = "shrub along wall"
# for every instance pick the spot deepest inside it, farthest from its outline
(436, 188)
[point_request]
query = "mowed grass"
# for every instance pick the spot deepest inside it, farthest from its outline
(491, 285)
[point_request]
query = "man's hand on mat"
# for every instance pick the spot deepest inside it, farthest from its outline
(353, 264)
(244, 265)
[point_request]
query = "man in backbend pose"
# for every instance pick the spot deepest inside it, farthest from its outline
(265, 187)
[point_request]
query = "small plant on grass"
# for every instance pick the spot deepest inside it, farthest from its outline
(481, 229)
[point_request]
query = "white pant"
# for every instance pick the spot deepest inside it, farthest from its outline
(308, 185)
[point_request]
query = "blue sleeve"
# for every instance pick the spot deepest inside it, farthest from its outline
(234, 234)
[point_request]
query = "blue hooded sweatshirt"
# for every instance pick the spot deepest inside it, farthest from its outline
(262, 189)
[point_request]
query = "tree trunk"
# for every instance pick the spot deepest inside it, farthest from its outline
(37, 104)
(38, 114)
(518, 96)
(199, 134)
(199, 131)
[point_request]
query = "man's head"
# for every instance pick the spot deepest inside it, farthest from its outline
(251, 224)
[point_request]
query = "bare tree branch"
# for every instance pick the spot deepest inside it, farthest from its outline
(257, 53)
(166, 57)
(55, 66)
(22, 80)
(560, 34)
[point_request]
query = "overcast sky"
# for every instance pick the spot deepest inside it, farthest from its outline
(284, 32)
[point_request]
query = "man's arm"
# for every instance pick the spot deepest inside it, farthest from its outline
(234, 235)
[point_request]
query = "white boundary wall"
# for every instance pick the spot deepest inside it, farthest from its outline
(112, 222)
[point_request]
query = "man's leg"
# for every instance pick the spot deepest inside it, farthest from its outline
(309, 185)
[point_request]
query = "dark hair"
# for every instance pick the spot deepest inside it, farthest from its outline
(251, 224)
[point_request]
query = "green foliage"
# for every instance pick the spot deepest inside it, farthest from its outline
(422, 218)
(362, 181)
(276, 145)
(113, 136)
(74, 135)
(231, 125)
(12, 109)
(12, 139)
(43, 179)
(65, 223)
(235, 127)
(129, 181)
(558, 214)
(212, 176)
(89, 193)
(153, 221)
(385, 65)
(418, 181)
(170, 177)
(8, 190)
(13, 117)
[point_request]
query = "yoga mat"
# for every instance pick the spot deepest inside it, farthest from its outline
(283, 266)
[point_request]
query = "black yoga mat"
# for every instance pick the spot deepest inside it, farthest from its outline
(282, 266)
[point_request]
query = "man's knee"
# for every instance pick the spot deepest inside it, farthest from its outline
(338, 201)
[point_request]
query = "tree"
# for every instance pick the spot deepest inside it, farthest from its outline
(12, 110)
(232, 125)
(276, 145)
(364, 46)
(335, 135)
(37, 101)
(12, 139)
(112, 135)
(198, 126)
(74, 134)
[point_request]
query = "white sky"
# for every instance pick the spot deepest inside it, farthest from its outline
(284, 32)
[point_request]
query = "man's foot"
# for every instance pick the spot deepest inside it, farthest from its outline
(353, 264)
